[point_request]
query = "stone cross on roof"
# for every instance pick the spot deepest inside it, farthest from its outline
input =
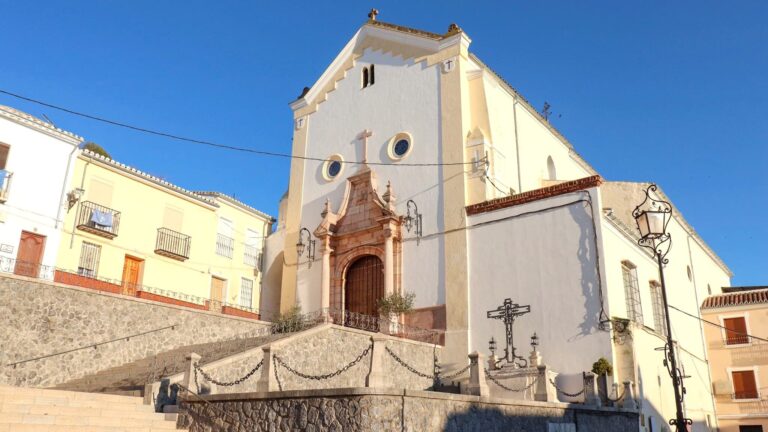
(372, 14)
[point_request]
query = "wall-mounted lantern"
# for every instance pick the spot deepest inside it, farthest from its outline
(309, 247)
(413, 220)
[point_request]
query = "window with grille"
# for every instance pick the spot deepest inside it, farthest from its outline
(735, 331)
(659, 319)
(246, 293)
(89, 259)
(632, 292)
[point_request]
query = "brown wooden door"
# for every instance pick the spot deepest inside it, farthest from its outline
(30, 254)
(364, 286)
(132, 269)
(217, 293)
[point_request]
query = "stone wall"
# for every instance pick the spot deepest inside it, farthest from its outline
(325, 350)
(39, 318)
(352, 410)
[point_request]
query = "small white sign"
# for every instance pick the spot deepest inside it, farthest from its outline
(6, 248)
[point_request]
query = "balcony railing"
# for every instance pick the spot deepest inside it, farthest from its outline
(225, 246)
(98, 219)
(251, 256)
(172, 244)
(5, 185)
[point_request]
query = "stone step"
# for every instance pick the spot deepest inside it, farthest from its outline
(66, 394)
(29, 409)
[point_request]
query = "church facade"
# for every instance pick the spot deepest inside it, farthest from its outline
(417, 169)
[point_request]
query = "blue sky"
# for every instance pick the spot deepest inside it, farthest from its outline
(670, 92)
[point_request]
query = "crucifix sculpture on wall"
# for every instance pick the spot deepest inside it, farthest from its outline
(507, 312)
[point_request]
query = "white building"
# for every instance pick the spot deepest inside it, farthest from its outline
(36, 161)
(535, 223)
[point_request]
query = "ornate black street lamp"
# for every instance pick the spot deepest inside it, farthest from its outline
(301, 247)
(413, 220)
(652, 217)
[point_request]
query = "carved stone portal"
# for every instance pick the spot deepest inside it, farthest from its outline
(365, 224)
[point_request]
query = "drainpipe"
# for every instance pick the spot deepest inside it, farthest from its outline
(82, 186)
(517, 146)
(64, 187)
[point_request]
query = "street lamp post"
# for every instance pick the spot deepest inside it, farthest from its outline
(652, 217)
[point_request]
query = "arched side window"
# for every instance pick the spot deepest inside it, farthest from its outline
(368, 76)
(551, 170)
(372, 75)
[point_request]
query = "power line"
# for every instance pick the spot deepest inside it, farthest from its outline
(718, 325)
(211, 143)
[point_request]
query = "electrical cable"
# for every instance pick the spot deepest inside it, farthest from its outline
(718, 325)
(215, 144)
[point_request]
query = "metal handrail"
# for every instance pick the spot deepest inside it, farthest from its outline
(94, 345)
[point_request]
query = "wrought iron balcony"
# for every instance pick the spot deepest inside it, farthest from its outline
(172, 244)
(225, 246)
(98, 219)
(5, 184)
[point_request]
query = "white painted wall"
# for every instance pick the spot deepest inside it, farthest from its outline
(38, 161)
(683, 294)
(404, 98)
(546, 260)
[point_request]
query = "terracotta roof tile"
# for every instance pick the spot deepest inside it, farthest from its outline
(535, 195)
(738, 298)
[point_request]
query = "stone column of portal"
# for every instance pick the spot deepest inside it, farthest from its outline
(325, 286)
(389, 261)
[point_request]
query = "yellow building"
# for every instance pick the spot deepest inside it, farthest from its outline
(739, 362)
(132, 233)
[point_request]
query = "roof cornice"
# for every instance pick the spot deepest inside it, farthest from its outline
(90, 156)
(35, 123)
(237, 203)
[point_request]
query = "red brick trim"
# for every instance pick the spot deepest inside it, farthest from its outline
(229, 310)
(163, 299)
(535, 195)
(67, 278)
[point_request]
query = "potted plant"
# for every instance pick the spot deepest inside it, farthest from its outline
(393, 306)
(602, 368)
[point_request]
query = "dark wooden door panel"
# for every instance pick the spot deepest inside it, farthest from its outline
(30, 255)
(364, 286)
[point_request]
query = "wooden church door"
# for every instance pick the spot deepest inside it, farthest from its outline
(364, 286)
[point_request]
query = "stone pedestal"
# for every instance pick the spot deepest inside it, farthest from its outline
(591, 396)
(477, 385)
(377, 378)
(545, 392)
(267, 381)
(189, 373)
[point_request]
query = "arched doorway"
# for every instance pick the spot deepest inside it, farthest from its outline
(363, 287)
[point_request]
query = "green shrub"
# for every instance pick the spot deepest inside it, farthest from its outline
(289, 321)
(396, 303)
(602, 367)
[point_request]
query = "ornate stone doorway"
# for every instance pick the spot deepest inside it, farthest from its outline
(364, 286)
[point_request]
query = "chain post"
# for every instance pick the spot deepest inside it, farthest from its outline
(376, 377)
(268, 380)
(544, 392)
(477, 385)
(189, 372)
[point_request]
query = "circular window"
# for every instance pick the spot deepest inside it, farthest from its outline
(400, 146)
(333, 167)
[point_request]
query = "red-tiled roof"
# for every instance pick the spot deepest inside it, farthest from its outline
(535, 195)
(736, 299)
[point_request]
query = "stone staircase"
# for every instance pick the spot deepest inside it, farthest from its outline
(129, 379)
(43, 410)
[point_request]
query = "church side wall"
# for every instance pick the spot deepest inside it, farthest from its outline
(683, 294)
(404, 98)
(539, 255)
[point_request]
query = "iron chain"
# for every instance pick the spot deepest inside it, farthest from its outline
(282, 363)
(407, 366)
(573, 395)
(457, 373)
(277, 377)
(227, 384)
(521, 389)
(620, 397)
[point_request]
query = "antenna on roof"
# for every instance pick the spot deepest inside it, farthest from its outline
(546, 112)
(48, 120)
